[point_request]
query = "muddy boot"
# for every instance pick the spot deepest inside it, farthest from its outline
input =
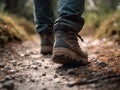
(66, 49)
(47, 39)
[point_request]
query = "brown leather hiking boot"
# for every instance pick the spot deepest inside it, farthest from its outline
(47, 40)
(66, 49)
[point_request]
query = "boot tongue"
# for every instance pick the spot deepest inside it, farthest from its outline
(75, 33)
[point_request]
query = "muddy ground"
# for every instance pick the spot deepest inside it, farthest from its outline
(22, 67)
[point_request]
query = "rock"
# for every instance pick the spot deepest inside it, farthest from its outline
(24, 54)
(2, 65)
(55, 76)
(2, 80)
(12, 71)
(9, 85)
(93, 58)
(35, 67)
(14, 63)
(42, 60)
(57, 80)
(50, 79)
(36, 63)
(35, 56)
(7, 68)
(20, 63)
(7, 78)
(46, 67)
(44, 89)
(20, 80)
(71, 72)
(44, 74)
(32, 80)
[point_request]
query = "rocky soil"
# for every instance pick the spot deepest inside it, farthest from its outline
(22, 67)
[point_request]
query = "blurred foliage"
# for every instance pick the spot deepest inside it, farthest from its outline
(102, 19)
(10, 30)
(97, 13)
(110, 27)
(102, 6)
(19, 7)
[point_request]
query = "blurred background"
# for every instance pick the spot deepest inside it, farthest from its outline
(102, 19)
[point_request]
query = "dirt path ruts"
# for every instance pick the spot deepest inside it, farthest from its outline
(30, 70)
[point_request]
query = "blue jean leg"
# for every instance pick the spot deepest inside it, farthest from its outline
(43, 15)
(70, 12)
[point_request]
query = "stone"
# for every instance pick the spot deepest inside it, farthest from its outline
(35, 67)
(32, 80)
(7, 68)
(44, 74)
(20, 63)
(9, 85)
(12, 71)
(7, 78)
(71, 72)
(14, 62)
(2, 65)
(44, 89)
(55, 76)
(46, 67)
(36, 63)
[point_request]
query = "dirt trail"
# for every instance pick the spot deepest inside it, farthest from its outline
(23, 68)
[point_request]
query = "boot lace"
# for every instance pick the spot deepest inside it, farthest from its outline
(80, 38)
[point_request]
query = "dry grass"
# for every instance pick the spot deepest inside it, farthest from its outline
(110, 28)
(10, 30)
(103, 26)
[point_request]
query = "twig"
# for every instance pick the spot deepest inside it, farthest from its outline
(79, 82)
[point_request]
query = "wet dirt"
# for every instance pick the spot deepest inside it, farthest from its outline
(22, 67)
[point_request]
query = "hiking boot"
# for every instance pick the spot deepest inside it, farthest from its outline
(47, 39)
(66, 49)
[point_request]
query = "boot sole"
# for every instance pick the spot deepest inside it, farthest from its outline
(66, 56)
(46, 50)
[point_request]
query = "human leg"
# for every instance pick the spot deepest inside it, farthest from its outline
(66, 48)
(44, 20)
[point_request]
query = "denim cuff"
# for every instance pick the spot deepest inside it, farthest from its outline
(62, 27)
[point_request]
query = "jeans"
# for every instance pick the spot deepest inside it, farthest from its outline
(69, 11)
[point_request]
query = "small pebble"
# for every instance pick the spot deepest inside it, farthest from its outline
(7, 78)
(7, 68)
(44, 89)
(43, 60)
(46, 67)
(14, 63)
(44, 74)
(55, 76)
(9, 85)
(35, 63)
(19, 63)
(21, 80)
(2, 80)
(35, 68)
(2, 65)
(71, 71)
(32, 80)
(12, 71)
